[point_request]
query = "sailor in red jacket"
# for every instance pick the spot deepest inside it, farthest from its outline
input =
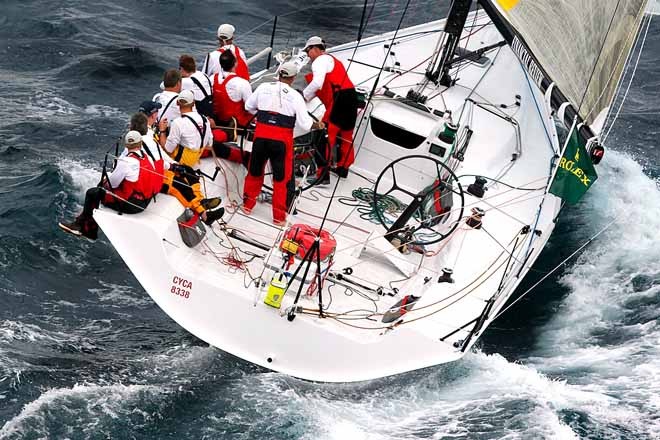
(226, 42)
(279, 108)
(128, 189)
(230, 91)
(330, 82)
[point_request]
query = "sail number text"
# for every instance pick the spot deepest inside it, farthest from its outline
(181, 287)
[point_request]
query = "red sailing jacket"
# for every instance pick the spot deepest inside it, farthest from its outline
(335, 80)
(148, 184)
(241, 66)
(223, 106)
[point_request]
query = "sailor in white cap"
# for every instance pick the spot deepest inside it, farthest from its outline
(226, 42)
(330, 82)
(189, 135)
(128, 189)
(278, 108)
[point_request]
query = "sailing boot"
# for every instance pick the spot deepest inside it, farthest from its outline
(212, 209)
(73, 227)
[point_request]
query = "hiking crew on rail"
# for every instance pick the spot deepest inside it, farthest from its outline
(188, 136)
(136, 179)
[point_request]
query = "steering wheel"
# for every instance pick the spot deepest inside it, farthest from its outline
(415, 222)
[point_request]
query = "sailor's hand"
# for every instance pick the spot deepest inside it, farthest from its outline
(211, 122)
(162, 125)
(318, 125)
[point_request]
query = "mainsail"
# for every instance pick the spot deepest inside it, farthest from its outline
(579, 45)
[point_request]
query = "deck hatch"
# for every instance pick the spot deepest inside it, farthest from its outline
(396, 135)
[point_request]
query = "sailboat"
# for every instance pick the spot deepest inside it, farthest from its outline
(474, 132)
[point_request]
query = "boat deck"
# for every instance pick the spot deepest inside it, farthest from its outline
(512, 144)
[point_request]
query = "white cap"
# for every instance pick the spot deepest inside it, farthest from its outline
(314, 41)
(186, 97)
(133, 137)
(288, 69)
(226, 31)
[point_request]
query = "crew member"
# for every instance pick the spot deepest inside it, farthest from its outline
(169, 111)
(230, 92)
(188, 136)
(199, 83)
(142, 123)
(278, 108)
(128, 189)
(330, 82)
(150, 110)
(226, 42)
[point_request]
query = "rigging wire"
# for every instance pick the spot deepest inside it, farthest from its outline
(625, 95)
(562, 263)
(635, 36)
(368, 101)
(600, 52)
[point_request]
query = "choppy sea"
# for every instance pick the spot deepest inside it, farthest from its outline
(85, 353)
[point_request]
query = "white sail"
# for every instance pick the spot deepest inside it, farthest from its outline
(582, 45)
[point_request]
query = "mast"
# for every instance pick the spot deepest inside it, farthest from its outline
(454, 25)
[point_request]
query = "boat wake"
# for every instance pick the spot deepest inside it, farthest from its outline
(605, 335)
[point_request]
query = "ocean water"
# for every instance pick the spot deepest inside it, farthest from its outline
(85, 354)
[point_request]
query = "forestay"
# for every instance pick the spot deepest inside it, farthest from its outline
(582, 45)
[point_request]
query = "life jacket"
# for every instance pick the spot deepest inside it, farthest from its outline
(224, 107)
(275, 126)
(188, 156)
(147, 185)
(300, 237)
(205, 106)
(241, 66)
(335, 80)
(159, 167)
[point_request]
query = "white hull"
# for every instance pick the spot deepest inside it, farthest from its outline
(488, 263)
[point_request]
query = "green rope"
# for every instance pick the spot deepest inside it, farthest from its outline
(370, 211)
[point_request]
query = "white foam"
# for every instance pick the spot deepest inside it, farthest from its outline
(83, 175)
(444, 402)
(579, 341)
(121, 295)
(49, 105)
(88, 402)
(16, 331)
(105, 111)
